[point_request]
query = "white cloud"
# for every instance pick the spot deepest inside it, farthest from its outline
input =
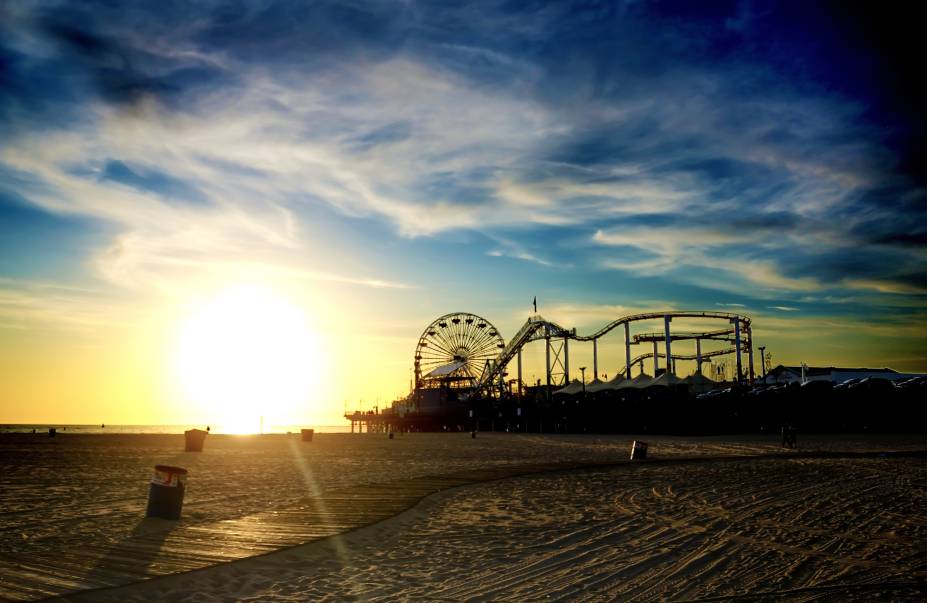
(473, 157)
(675, 249)
(30, 304)
(884, 286)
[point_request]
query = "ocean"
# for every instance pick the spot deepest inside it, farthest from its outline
(126, 429)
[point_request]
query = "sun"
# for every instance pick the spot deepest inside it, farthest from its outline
(244, 354)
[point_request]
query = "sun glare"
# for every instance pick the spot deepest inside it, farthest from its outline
(245, 354)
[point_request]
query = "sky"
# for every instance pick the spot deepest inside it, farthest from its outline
(365, 167)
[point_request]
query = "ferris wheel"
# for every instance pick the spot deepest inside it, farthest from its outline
(456, 344)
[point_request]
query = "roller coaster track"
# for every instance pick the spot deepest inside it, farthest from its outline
(642, 357)
(745, 321)
(719, 335)
(537, 327)
(526, 334)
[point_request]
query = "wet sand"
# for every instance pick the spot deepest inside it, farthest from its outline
(643, 532)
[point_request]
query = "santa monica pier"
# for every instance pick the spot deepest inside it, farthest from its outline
(466, 377)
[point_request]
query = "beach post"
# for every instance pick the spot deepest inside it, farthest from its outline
(194, 440)
(638, 450)
(165, 493)
(307, 434)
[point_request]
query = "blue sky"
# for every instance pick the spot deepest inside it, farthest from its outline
(431, 157)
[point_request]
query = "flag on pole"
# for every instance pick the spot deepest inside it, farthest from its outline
(535, 304)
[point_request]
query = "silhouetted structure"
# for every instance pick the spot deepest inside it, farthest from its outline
(793, 374)
(452, 391)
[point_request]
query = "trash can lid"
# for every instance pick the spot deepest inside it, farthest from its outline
(171, 469)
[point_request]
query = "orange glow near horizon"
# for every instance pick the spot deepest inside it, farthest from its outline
(244, 354)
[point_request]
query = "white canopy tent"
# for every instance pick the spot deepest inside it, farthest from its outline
(574, 387)
(444, 371)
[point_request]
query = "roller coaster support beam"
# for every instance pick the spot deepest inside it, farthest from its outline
(736, 322)
(595, 359)
(566, 360)
(519, 373)
(627, 349)
(656, 359)
(750, 351)
(698, 356)
(669, 356)
(547, 346)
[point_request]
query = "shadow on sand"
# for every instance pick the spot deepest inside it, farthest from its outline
(133, 558)
(130, 559)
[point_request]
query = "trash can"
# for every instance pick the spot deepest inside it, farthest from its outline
(638, 450)
(194, 439)
(307, 434)
(165, 493)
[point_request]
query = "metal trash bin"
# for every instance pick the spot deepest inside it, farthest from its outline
(307, 434)
(638, 450)
(165, 493)
(194, 439)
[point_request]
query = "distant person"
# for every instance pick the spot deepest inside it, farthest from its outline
(789, 436)
(207, 429)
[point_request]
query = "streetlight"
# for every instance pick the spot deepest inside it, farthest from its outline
(583, 370)
(763, 361)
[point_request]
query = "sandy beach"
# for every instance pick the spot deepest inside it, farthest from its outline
(802, 527)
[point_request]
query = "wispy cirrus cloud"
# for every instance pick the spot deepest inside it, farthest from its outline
(207, 137)
(29, 304)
